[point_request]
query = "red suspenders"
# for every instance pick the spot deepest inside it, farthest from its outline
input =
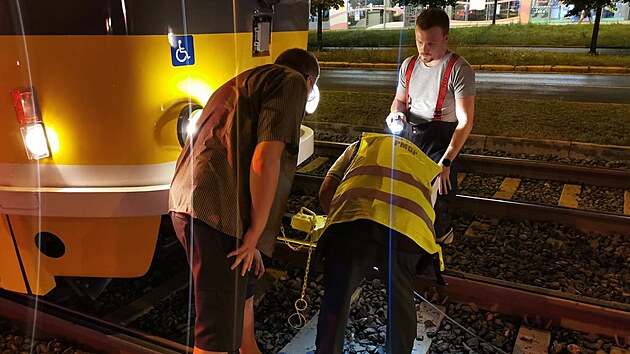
(437, 114)
(412, 63)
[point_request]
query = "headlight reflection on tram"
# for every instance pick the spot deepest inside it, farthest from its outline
(187, 122)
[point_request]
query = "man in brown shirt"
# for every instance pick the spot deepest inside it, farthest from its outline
(230, 188)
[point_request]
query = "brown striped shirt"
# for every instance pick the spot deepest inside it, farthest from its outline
(211, 180)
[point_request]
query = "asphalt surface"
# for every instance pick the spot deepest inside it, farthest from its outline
(566, 87)
(609, 51)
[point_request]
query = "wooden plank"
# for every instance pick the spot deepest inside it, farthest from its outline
(532, 341)
(508, 188)
(476, 228)
(617, 350)
(313, 165)
(460, 178)
(570, 196)
(429, 320)
(626, 202)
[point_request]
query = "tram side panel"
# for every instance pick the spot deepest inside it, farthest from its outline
(109, 107)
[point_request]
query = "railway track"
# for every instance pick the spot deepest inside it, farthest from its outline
(485, 296)
(512, 176)
(502, 207)
(45, 319)
(603, 223)
(507, 299)
(110, 331)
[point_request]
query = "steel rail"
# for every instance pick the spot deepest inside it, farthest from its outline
(569, 311)
(597, 176)
(584, 220)
(519, 299)
(80, 329)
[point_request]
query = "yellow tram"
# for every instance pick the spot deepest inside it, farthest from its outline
(95, 97)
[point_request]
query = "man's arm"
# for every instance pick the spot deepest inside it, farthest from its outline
(465, 112)
(398, 105)
(334, 176)
(327, 191)
(263, 182)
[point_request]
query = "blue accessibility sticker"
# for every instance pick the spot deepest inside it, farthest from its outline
(182, 50)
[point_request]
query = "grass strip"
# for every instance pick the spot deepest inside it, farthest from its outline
(610, 35)
(599, 123)
(479, 56)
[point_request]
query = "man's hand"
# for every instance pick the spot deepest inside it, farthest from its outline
(444, 182)
(246, 254)
(259, 265)
(394, 116)
(395, 122)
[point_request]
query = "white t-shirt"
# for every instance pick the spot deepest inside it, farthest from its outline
(425, 87)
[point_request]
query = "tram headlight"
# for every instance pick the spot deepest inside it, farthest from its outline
(32, 129)
(313, 100)
(187, 122)
(35, 141)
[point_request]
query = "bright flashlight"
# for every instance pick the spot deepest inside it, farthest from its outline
(396, 127)
(395, 122)
(35, 141)
(313, 100)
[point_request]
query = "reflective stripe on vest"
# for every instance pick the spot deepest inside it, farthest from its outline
(396, 200)
(389, 181)
(391, 173)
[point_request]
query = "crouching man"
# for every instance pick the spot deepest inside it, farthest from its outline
(378, 197)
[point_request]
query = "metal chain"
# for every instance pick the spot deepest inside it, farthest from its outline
(288, 243)
(308, 266)
(297, 320)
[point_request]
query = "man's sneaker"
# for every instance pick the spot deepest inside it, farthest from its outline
(447, 239)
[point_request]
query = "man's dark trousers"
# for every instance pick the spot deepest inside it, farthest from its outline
(433, 138)
(350, 251)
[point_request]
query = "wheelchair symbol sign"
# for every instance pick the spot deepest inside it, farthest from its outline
(182, 51)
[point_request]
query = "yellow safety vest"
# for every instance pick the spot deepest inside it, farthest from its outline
(389, 181)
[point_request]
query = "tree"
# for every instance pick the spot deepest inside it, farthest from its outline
(317, 8)
(588, 5)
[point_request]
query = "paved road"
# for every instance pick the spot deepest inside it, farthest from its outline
(611, 51)
(566, 87)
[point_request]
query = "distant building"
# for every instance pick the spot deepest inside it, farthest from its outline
(375, 14)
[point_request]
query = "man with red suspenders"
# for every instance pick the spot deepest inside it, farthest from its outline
(436, 98)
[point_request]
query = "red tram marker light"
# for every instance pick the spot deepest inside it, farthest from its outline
(33, 132)
(25, 104)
